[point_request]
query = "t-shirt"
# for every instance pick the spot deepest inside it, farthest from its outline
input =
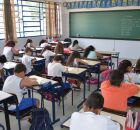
(55, 69)
(116, 97)
(92, 55)
(27, 61)
(91, 121)
(44, 44)
(74, 48)
(7, 51)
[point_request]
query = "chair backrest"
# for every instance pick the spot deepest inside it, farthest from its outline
(13, 100)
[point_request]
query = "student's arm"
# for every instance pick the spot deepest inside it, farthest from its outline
(15, 51)
(28, 82)
(81, 61)
(99, 55)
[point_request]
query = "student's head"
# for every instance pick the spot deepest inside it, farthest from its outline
(73, 55)
(42, 41)
(59, 49)
(3, 59)
(28, 41)
(57, 58)
(75, 42)
(125, 66)
(10, 43)
(138, 65)
(87, 50)
(116, 78)
(28, 51)
(94, 103)
(20, 70)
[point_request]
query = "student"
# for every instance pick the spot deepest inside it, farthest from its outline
(2, 61)
(29, 43)
(43, 43)
(59, 49)
(28, 61)
(91, 119)
(126, 67)
(137, 68)
(75, 46)
(9, 50)
(15, 84)
(116, 92)
(47, 53)
(90, 53)
(74, 59)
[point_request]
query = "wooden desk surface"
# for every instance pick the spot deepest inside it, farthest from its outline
(42, 80)
(75, 70)
(9, 65)
(109, 52)
(91, 62)
(4, 95)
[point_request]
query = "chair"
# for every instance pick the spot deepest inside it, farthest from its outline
(19, 112)
(54, 93)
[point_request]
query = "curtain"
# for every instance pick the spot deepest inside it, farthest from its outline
(52, 19)
(10, 20)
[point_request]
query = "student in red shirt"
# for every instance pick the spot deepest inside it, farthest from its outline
(116, 92)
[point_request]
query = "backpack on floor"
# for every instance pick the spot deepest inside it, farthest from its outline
(41, 120)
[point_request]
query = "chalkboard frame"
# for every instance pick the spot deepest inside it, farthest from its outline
(111, 38)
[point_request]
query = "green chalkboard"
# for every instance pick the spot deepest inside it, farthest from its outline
(118, 24)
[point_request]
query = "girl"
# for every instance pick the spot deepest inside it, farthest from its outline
(29, 43)
(47, 53)
(75, 46)
(43, 43)
(137, 68)
(59, 49)
(126, 68)
(9, 50)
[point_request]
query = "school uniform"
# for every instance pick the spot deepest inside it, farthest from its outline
(92, 55)
(74, 48)
(91, 121)
(44, 45)
(7, 51)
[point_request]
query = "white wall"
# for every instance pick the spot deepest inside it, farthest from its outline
(128, 49)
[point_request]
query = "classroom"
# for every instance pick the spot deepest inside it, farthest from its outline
(69, 64)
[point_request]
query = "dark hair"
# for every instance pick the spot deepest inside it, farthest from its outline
(42, 41)
(46, 48)
(74, 43)
(3, 59)
(28, 41)
(10, 44)
(20, 68)
(95, 101)
(87, 51)
(59, 49)
(137, 68)
(72, 56)
(116, 77)
(123, 66)
(57, 58)
(27, 49)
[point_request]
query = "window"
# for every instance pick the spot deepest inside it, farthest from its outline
(2, 35)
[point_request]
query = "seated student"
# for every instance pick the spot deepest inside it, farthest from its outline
(47, 53)
(15, 84)
(9, 50)
(90, 53)
(29, 43)
(43, 43)
(2, 61)
(59, 49)
(91, 119)
(116, 92)
(75, 46)
(126, 67)
(28, 61)
(137, 67)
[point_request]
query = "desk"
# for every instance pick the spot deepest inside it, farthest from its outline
(111, 53)
(3, 99)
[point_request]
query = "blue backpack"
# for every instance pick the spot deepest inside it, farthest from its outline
(41, 120)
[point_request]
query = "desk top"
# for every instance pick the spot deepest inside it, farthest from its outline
(42, 80)
(37, 49)
(9, 65)
(37, 58)
(4, 95)
(91, 62)
(74, 70)
(53, 42)
(109, 52)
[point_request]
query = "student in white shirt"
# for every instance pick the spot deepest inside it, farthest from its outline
(91, 119)
(75, 46)
(9, 50)
(43, 43)
(28, 61)
(47, 53)
(15, 84)
(29, 43)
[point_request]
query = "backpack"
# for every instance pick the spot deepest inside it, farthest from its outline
(40, 120)
(132, 120)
